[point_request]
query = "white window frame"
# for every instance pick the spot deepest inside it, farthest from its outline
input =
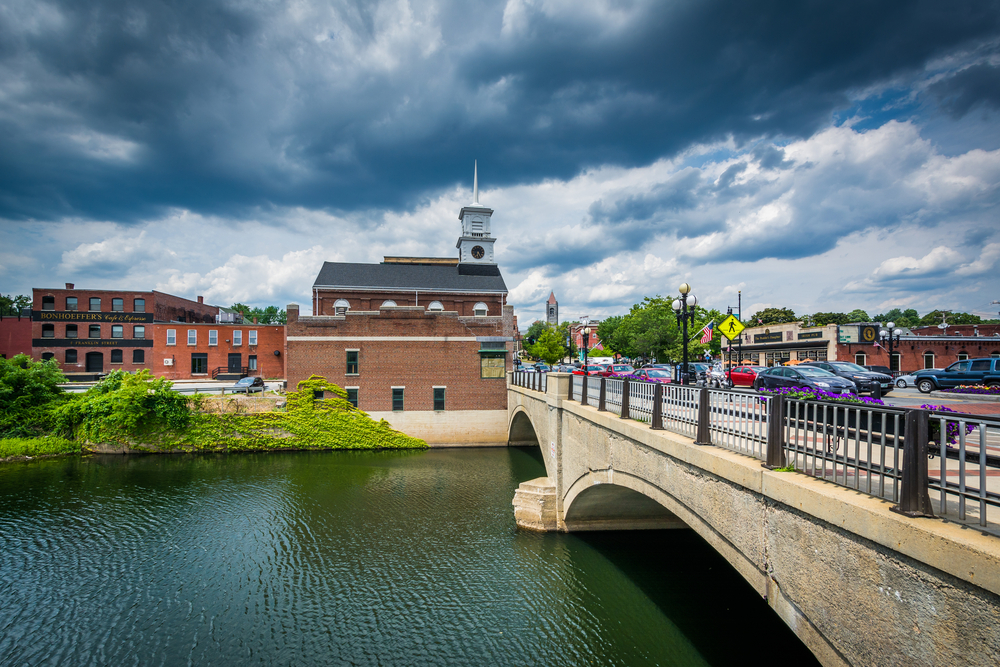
(213, 337)
(481, 306)
(192, 337)
(388, 303)
(341, 306)
(237, 337)
(435, 305)
(862, 356)
(924, 358)
(252, 337)
(171, 336)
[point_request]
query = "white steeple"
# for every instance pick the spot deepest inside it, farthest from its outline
(475, 245)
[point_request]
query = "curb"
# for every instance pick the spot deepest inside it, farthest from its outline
(975, 398)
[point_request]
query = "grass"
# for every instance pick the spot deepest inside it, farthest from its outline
(788, 468)
(48, 446)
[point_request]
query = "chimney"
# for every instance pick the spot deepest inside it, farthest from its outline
(255, 320)
(70, 286)
(201, 299)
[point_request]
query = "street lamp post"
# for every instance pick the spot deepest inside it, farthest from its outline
(890, 336)
(586, 342)
(685, 312)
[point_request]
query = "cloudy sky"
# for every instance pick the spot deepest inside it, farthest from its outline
(821, 156)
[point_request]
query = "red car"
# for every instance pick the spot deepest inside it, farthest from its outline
(592, 370)
(617, 370)
(743, 376)
(654, 375)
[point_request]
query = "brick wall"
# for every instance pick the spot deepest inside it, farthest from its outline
(270, 338)
(15, 336)
(409, 359)
(945, 351)
(368, 300)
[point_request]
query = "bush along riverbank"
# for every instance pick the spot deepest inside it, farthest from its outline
(138, 413)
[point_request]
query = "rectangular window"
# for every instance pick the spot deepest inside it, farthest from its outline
(116, 356)
(71, 303)
(492, 366)
(138, 356)
(70, 356)
(95, 304)
(894, 363)
(352, 396)
(252, 337)
(318, 395)
(117, 331)
(859, 358)
(352, 362)
(48, 331)
(71, 331)
(48, 303)
(138, 332)
(213, 337)
(117, 305)
(397, 399)
(171, 336)
(962, 356)
(252, 362)
(439, 398)
(199, 363)
(928, 360)
(237, 337)
(139, 306)
(192, 336)
(95, 331)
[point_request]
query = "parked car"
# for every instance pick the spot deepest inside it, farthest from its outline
(617, 370)
(697, 373)
(865, 381)
(248, 385)
(985, 371)
(910, 379)
(542, 368)
(884, 370)
(591, 369)
(648, 374)
(804, 376)
(743, 376)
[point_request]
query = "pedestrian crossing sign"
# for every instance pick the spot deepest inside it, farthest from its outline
(731, 327)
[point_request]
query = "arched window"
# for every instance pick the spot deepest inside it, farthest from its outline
(341, 306)
(859, 358)
(480, 310)
(435, 305)
(48, 303)
(71, 331)
(388, 303)
(116, 356)
(928, 360)
(47, 355)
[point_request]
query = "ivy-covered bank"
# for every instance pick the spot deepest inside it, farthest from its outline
(136, 412)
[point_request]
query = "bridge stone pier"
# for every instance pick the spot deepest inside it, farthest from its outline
(858, 584)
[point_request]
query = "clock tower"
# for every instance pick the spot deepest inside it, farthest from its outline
(475, 245)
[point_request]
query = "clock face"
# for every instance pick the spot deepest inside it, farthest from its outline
(478, 252)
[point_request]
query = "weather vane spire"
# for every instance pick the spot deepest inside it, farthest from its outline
(475, 183)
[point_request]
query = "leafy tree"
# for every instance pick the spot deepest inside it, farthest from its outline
(12, 305)
(28, 389)
(610, 333)
(934, 317)
(267, 315)
(534, 332)
(563, 331)
(822, 319)
(901, 318)
(858, 315)
(772, 316)
(549, 346)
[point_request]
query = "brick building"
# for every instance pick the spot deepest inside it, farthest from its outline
(90, 332)
(15, 335)
(217, 350)
(424, 343)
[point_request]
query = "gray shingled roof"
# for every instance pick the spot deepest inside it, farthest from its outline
(405, 276)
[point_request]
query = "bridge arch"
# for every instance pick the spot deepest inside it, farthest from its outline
(612, 500)
(521, 431)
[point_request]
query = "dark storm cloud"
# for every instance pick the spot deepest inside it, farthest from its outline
(116, 110)
(978, 85)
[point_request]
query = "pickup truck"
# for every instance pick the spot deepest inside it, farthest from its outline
(984, 371)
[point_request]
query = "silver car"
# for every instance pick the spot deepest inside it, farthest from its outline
(910, 379)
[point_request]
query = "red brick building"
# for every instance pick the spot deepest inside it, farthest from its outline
(90, 332)
(217, 350)
(424, 343)
(15, 335)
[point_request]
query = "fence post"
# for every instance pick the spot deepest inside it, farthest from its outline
(656, 423)
(775, 455)
(570, 397)
(626, 386)
(914, 500)
(602, 396)
(703, 437)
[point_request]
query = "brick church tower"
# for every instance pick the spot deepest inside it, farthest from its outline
(552, 310)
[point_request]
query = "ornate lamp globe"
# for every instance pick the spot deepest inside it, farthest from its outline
(684, 288)
(677, 305)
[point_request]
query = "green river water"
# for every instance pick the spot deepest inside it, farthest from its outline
(347, 558)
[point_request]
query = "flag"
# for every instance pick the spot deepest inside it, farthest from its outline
(708, 331)
(760, 321)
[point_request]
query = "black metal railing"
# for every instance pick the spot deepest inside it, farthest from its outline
(928, 463)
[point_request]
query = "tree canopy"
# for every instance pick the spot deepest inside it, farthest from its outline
(266, 315)
(12, 305)
(549, 346)
(772, 316)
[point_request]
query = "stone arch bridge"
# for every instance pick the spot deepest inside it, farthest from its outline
(858, 583)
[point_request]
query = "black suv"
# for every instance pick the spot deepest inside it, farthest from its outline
(968, 371)
(865, 380)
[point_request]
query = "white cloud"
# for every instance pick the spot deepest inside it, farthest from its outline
(114, 256)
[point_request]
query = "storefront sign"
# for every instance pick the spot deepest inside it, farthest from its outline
(808, 335)
(76, 316)
(90, 342)
(767, 337)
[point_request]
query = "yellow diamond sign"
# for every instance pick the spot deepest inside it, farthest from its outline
(731, 327)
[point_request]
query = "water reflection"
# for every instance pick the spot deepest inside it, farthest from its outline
(342, 558)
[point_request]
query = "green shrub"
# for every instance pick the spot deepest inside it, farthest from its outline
(37, 447)
(28, 391)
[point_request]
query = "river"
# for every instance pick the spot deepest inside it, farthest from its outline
(347, 558)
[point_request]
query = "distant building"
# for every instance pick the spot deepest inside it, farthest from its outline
(552, 310)
(422, 342)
